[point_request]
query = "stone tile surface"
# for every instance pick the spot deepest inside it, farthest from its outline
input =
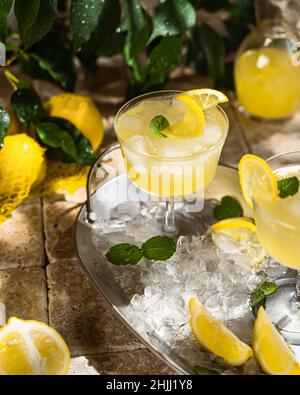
(80, 315)
(21, 238)
(24, 293)
(59, 220)
(135, 362)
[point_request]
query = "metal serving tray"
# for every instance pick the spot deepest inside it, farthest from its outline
(98, 206)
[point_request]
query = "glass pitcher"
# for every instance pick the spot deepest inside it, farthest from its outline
(267, 68)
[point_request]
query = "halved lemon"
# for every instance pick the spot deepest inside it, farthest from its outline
(32, 348)
(207, 98)
(271, 351)
(257, 177)
(192, 123)
(215, 337)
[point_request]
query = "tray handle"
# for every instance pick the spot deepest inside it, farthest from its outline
(91, 216)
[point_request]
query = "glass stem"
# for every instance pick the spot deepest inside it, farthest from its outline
(169, 226)
(296, 294)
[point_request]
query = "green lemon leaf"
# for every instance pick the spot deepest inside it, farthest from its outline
(4, 123)
(35, 19)
(5, 7)
(27, 105)
(173, 18)
(159, 248)
(64, 141)
(84, 20)
(52, 59)
(53, 136)
(288, 186)
(164, 56)
(204, 371)
(157, 125)
(229, 207)
(124, 254)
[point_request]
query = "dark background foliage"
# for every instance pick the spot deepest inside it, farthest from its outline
(153, 37)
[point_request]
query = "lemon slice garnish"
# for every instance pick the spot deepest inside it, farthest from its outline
(234, 227)
(273, 354)
(215, 337)
(32, 348)
(192, 123)
(207, 98)
(256, 177)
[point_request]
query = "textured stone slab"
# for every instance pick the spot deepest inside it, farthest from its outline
(271, 138)
(24, 293)
(59, 220)
(21, 238)
(81, 316)
(134, 363)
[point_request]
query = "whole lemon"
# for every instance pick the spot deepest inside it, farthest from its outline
(81, 111)
(22, 166)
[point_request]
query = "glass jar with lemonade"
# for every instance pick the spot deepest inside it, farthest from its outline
(267, 72)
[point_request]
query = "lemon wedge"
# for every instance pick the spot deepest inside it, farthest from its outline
(235, 227)
(207, 98)
(215, 337)
(271, 351)
(32, 348)
(257, 177)
(192, 123)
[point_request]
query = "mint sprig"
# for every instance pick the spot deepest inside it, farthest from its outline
(229, 207)
(157, 248)
(201, 371)
(157, 125)
(258, 296)
(288, 186)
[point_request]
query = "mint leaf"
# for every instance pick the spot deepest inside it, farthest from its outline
(204, 371)
(258, 296)
(84, 20)
(35, 19)
(159, 248)
(4, 123)
(172, 18)
(229, 207)
(157, 125)
(288, 186)
(268, 288)
(124, 254)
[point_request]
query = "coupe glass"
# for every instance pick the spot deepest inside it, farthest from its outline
(168, 169)
(278, 228)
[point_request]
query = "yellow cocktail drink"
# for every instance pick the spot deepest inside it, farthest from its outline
(182, 160)
(278, 223)
(267, 82)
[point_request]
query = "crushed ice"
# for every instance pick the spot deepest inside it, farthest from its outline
(159, 291)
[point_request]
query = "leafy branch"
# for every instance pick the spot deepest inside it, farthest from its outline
(152, 40)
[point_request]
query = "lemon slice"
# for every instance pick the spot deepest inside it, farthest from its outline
(245, 241)
(215, 337)
(273, 354)
(257, 177)
(192, 123)
(31, 348)
(207, 98)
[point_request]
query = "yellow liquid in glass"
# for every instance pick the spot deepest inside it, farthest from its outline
(267, 83)
(278, 224)
(170, 167)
